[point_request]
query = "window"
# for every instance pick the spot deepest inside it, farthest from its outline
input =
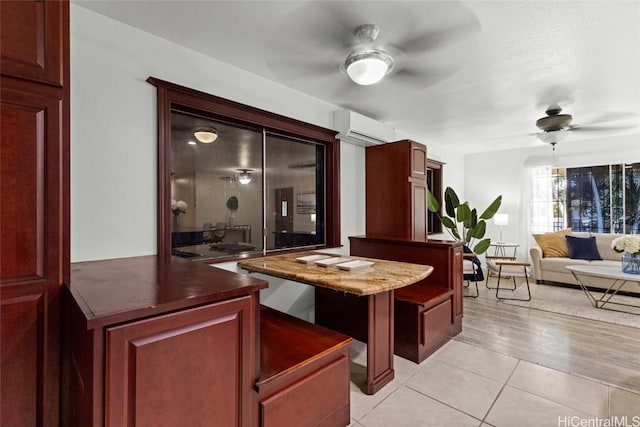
(265, 183)
(598, 199)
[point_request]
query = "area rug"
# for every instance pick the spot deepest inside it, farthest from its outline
(574, 302)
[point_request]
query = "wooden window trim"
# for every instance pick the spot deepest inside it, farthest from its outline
(172, 96)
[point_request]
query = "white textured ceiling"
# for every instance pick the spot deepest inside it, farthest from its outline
(474, 74)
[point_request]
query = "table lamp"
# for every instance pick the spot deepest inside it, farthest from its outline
(501, 220)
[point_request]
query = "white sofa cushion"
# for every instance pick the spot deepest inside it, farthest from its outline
(559, 265)
(555, 269)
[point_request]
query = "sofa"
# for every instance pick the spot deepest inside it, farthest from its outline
(552, 269)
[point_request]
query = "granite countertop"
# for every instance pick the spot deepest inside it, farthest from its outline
(380, 277)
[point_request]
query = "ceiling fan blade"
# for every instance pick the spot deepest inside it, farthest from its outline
(440, 25)
(614, 116)
(303, 66)
(424, 77)
(589, 128)
(318, 26)
(437, 39)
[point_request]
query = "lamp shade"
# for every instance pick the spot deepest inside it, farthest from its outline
(501, 219)
(368, 67)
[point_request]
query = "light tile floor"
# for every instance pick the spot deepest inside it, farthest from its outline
(464, 385)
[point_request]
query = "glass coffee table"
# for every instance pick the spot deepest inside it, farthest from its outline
(618, 280)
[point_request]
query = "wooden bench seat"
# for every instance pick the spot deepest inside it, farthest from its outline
(304, 373)
(423, 320)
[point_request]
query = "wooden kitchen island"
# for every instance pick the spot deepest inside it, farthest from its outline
(369, 291)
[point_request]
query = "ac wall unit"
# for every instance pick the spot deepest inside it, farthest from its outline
(361, 130)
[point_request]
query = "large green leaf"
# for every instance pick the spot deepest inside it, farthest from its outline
(482, 246)
(451, 202)
(492, 209)
(463, 213)
(448, 223)
(432, 203)
(456, 234)
(478, 231)
(471, 222)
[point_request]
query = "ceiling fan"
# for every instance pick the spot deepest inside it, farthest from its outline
(554, 125)
(416, 44)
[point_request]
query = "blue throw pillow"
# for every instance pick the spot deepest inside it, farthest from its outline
(583, 248)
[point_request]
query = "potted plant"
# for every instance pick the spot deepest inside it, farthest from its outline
(472, 226)
(177, 208)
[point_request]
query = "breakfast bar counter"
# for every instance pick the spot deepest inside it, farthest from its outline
(381, 276)
(372, 285)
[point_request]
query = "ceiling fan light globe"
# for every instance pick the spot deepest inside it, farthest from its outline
(552, 137)
(367, 68)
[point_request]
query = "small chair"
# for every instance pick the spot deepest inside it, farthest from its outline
(471, 270)
(217, 236)
(499, 265)
(207, 235)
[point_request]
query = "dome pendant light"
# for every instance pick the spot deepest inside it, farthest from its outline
(206, 135)
(368, 65)
(244, 177)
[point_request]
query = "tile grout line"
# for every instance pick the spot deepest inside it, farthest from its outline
(500, 392)
(444, 403)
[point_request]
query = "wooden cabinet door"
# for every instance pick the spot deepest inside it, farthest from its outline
(418, 154)
(31, 265)
(418, 210)
(33, 33)
(34, 36)
(190, 368)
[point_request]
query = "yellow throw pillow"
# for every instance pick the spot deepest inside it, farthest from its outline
(553, 244)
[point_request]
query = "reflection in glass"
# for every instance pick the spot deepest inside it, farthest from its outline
(294, 189)
(229, 192)
(223, 216)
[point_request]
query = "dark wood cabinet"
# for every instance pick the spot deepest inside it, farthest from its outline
(34, 40)
(426, 314)
(396, 190)
(160, 343)
(304, 373)
(161, 370)
(34, 220)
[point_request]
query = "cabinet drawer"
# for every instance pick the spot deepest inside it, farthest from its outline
(435, 323)
(311, 400)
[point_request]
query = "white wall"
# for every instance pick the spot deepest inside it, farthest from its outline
(113, 127)
(114, 140)
(488, 175)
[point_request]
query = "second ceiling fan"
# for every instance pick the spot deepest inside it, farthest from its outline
(554, 124)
